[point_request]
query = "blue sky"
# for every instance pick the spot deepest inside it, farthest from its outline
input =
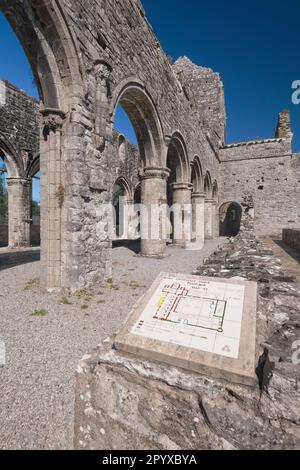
(252, 44)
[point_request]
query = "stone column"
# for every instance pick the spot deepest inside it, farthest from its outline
(19, 212)
(209, 219)
(154, 211)
(130, 219)
(215, 220)
(52, 197)
(182, 209)
(198, 217)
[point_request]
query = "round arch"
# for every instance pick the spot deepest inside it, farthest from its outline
(141, 110)
(215, 191)
(13, 164)
(48, 43)
(33, 167)
(178, 160)
(208, 186)
(197, 176)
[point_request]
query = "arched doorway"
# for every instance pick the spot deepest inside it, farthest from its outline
(179, 191)
(16, 196)
(198, 203)
(230, 219)
(122, 201)
(208, 190)
(139, 107)
(215, 215)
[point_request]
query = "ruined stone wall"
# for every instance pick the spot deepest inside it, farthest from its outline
(19, 127)
(270, 173)
(118, 34)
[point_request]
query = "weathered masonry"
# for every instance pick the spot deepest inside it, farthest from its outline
(88, 57)
(19, 149)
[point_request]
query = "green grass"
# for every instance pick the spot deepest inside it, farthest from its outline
(32, 283)
(84, 307)
(66, 301)
(84, 294)
(40, 313)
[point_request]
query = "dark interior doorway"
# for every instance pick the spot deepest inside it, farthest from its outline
(230, 219)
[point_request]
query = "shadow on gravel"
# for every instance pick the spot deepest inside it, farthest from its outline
(132, 245)
(290, 251)
(10, 260)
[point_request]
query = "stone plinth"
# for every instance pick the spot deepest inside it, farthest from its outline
(124, 403)
(204, 325)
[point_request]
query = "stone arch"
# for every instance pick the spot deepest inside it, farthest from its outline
(230, 219)
(197, 176)
(125, 184)
(44, 33)
(13, 163)
(208, 189)
(179, 190)
(178, 160)
(122, 202)
(134, 98)
(48, 43)
(215, 192)
(33, 166)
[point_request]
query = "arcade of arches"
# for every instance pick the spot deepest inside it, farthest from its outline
(178, 114)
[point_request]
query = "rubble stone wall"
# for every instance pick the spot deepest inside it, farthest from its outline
(269, 172)
(19, 124)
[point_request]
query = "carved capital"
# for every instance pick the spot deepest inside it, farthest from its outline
(156, 173)
(52, 119)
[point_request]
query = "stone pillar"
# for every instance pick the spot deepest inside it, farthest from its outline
(52, 197)
(182, 209)
(130, 219)
(19, 212)
(198, 217)
(215, 220)
(154, 211)
(209, 219)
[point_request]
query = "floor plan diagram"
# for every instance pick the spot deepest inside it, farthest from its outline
(196, 314)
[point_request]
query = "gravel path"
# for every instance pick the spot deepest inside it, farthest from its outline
(44, 348)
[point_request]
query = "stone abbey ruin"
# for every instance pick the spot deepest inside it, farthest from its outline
(88, 58)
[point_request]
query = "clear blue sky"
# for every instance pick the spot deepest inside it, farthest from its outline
(254, 45)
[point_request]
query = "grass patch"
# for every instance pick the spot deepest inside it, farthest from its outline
(32, 283)
(101, 302)
(66, 301)
(112, 285)
(134, 285)
(39, 313)
(84, 307)
(84, 294)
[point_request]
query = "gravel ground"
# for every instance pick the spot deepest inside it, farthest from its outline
(46, 335)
